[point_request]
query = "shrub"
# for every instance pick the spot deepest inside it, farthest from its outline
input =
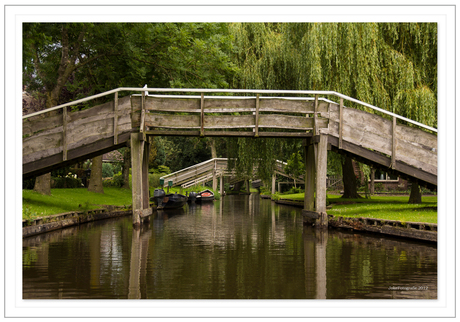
(65, 182)
(107, 170)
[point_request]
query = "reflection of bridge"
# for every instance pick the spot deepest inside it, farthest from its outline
(57, 137)
(213, 169)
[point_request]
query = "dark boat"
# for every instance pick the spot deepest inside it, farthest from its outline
(192, 196)
(205, 195)
(168, 201)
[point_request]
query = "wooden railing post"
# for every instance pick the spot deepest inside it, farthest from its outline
(64, 134)
(340, 123)
(202, 115)
(115, 119)
(393, 149)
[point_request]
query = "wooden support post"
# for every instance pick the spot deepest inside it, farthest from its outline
(202, 115)
(310, 174)
(64, 134)
(273, 184)
(136, 166)
(315, 116)
(393, 150)
(315, 182)
(221, 185)
(145, 176)
(340, 123)
(321, 174)
(140, 182)
(115, 119)
(214, 177)
(142, 126)
(372, 189)
(257, 117)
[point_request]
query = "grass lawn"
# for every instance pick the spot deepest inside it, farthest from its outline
(80, 199)
(65, 200)
(380, 207)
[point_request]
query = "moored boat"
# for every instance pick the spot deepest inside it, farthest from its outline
(168, 201)
(205, 195)
(192, 196)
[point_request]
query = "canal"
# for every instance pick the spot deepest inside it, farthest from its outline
(241, 247)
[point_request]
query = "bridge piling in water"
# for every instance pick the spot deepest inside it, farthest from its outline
(140, 178)
(315, 181)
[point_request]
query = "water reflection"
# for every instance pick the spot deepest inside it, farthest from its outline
(238, 248)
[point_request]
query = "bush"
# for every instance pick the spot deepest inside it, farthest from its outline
(28, 183)
(116, 181)
(107, 170)
(154, 179)
(65, 182)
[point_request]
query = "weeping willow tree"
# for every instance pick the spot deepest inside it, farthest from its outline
(389, 65)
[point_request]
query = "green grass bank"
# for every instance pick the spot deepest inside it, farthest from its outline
(379, 207)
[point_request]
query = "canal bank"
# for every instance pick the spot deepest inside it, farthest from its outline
(421, 231)
(46, 224)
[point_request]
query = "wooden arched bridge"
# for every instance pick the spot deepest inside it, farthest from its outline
(58, 137)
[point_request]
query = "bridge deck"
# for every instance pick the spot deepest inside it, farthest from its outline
(58, 138)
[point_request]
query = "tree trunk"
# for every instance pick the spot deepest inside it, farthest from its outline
(350, 183)
(126, 166)
(43, 184)
(95, 181)
(415, 195)
(212, 143)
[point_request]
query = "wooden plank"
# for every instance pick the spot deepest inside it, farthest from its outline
(230, 134)
(115, 119)
(40, 123)
(171, 104)
(64, 134)
(42, 146)
(45, 164)
(173, 121)
(102, 127)
(229, 122)
(101, 109)
(291, 106)
(229, 104)
(372, 157)
(290, 122)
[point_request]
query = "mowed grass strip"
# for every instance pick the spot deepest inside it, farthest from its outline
(380, 207)
(65, 200)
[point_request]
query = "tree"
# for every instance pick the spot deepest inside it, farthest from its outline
(68, 61)
(295, 167)
(95, 181)
(390, 65)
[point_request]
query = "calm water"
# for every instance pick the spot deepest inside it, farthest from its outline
(238, 248)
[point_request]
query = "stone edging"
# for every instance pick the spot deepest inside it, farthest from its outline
(49, 223)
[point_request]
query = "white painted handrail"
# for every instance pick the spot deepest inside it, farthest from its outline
(235, 91)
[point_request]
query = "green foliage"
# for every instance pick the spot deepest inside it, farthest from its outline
(66, 182)
(107, 170)
(295, 167)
